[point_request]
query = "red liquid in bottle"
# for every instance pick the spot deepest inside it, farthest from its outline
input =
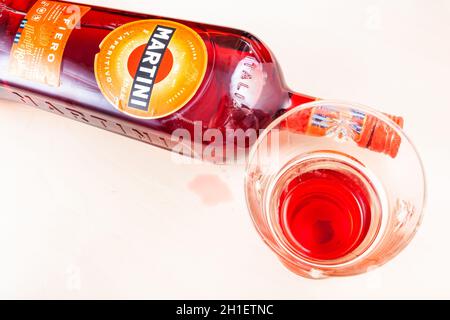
(243, 87)
(242, 90)
(325, 214)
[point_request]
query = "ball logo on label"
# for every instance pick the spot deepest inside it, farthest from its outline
(150, 69)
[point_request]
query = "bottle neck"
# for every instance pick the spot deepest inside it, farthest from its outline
(297, 99)
(371, 132)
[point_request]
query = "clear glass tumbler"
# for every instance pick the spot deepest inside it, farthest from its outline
(335, 189)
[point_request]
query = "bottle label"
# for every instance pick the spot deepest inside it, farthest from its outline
(39, 44)
(150, 69)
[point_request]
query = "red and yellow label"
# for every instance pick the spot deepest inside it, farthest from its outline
(39, 44)
(150, 69)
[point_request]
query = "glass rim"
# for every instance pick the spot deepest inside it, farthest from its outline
(340, 103)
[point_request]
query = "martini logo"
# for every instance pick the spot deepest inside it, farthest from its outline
(150, 69)
(145, 77)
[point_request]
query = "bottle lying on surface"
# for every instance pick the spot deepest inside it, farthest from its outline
(141, 76)
(208, 91)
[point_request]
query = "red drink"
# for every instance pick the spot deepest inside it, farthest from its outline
(325, 214)
(242, 87)
(239, 86)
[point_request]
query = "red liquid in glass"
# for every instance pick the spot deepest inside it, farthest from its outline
(325, 214)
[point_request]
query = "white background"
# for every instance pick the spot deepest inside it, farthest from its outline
(88, 214)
